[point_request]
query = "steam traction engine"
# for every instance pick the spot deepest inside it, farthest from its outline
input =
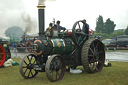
(58, 49)
(4, 52)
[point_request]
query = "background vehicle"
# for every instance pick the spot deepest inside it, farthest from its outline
(25, 44)
(5, 53)
(110, 44)
(122, 42)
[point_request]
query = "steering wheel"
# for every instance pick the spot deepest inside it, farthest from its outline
(80, 36)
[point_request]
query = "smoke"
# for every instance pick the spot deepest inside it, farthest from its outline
(42, 2)
(30, 24)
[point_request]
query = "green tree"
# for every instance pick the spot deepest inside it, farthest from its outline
(109, 26)
(14, 31)
(126, 31)
(117, 33)
(99, 24)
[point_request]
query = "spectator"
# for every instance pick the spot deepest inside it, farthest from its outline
(14, 47)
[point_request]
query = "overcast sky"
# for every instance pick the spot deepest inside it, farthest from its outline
(67, 11)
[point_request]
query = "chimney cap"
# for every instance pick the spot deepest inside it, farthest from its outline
(40, 6)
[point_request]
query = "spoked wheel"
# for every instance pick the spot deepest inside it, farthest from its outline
(2, 55)
(27, 65)
(93, 55)
(55, 68)
(79, 36)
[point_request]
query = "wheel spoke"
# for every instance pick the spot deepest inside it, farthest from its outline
(93, 46)
(34, 62)
(100, 52)
(25, 70)
(58, 62)
(24, 66)
(79, 25)
(91, 61)
(29, 72)
(56, 75)
(91, 50)
(83, 39)
(52, 75)
(78, 40)
(28, 59)
(31, 58)
(25, 62)
(97, 44)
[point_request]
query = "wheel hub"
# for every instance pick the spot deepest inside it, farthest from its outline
(57, 68)
(30, 66)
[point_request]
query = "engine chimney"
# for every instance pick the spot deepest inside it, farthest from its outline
(41, 21)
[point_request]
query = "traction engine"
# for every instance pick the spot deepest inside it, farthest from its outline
(55, 50)
(4, 52)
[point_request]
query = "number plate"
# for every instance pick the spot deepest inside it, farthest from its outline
(36, 67)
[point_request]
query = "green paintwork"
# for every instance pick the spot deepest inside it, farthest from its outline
(60, 47)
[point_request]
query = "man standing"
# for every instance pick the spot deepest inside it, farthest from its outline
(85, 27)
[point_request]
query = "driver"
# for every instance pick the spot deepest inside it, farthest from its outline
(60, 27)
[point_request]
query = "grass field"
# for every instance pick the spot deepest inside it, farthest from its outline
(115, 75)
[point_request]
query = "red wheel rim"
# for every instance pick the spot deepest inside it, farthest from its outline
(2, 55)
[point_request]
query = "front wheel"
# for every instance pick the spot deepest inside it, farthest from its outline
(55, 68)
(26, 67)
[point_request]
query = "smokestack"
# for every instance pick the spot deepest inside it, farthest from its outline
(41, 20)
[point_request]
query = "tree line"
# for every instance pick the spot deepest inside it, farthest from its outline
(107, 29)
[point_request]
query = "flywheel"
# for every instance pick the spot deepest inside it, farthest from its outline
(79, 36)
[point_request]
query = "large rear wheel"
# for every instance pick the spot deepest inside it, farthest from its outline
(93, 55)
